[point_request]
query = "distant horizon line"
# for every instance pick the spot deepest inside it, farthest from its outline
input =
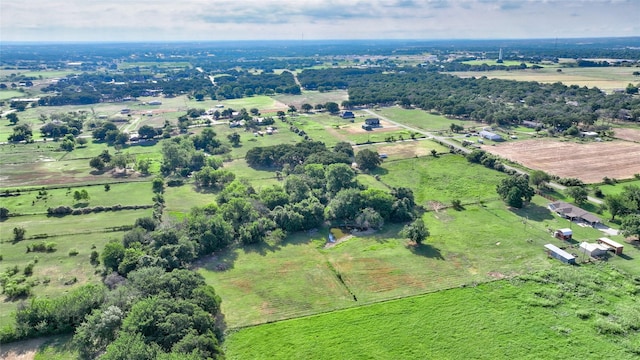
(79, 42)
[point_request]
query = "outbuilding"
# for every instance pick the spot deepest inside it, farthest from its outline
(489, 135)
(560, 254)
(611, 245)
(593, 250)
(348, 115)
(563, 234)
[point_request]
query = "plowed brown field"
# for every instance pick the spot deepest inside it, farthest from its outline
(589, 162)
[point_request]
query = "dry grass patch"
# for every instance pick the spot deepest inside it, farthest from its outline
(627, 134)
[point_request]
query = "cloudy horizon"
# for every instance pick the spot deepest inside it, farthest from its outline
(198, 20)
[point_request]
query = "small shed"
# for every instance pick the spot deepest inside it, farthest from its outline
(560, 254)
(611, 245)
(593, 250)
(563, 234)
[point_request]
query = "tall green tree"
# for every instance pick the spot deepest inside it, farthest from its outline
(538, 178)
(368, 160)
(417, 231)
(630, 225)
(515, 190)
(578, 193)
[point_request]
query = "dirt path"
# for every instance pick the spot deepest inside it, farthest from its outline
(21, 350)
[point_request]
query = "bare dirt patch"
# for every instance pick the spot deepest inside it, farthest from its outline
(21, 350)
(627, 134)
(589, 162)
(384, 127)
(407, 149)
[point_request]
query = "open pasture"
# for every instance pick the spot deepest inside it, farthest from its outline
(32, 202)
(302, 277)
(493, 62)
(406, 149)
(313, 98)
(10, 94)
(55, 272)
(589, 162)
(604, 78)
(497, 320)
(441, 179)
(423, 120)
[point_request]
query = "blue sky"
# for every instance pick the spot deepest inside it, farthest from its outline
(179, 20)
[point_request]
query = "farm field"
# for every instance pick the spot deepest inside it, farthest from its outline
(604, 78)
(589, 162)
(406, 149)
(629, 134)
(553, 314)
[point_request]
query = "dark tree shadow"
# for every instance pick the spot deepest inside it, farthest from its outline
(218, 262)
(426, 250)
(534, 212)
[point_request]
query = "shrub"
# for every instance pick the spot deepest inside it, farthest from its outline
(28, 270)
(73, 252)
(583, 314)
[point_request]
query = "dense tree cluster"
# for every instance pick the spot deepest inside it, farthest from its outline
(238, 84)
(309, 152)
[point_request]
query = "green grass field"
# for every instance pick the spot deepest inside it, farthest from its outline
(481, 243)
(423, 120)
(31, 202)
(442, 179)
(509, 319)
(54, 270)
(9, 94)
(618, 188)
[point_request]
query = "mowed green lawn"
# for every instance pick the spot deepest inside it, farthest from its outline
(508, 319)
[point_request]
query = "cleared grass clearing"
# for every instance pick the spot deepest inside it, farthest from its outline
(180, 199)
(132, 193)
(313, 98)
(619, 187)
(54, 269)
(70, 224)
(406, 149)
(497, 320)
(479, 244)
(10, 94)
(268, 283)
(442, 179)
(423, 120)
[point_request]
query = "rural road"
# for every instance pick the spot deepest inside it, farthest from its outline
(466, 151)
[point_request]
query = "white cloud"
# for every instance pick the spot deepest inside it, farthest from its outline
(164, 20)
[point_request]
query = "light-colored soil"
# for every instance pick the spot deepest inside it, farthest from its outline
(589, 162)
(384, 127)
(627, 134)
(21, 350)
(406, 149)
